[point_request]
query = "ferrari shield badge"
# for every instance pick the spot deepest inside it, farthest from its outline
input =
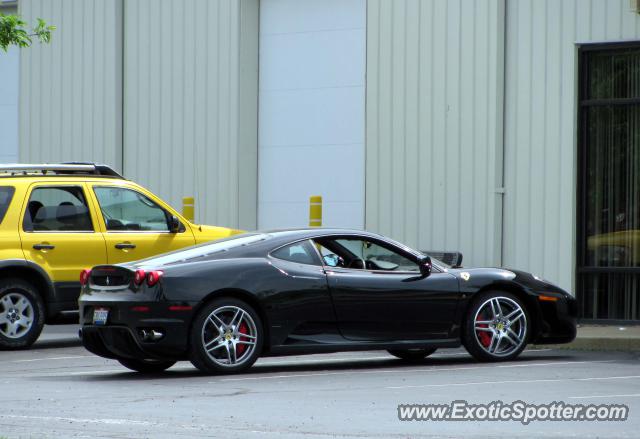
(465, 275)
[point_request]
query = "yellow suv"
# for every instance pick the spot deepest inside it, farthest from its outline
(56, 220)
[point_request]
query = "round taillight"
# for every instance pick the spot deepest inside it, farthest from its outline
(84, 276)
(139, 277)
(153, 277)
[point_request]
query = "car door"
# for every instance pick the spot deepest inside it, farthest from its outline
(379, 294)
(301, 309)
(59, 233)
(134, 225)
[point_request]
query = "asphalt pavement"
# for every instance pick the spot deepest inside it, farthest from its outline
(59, 390)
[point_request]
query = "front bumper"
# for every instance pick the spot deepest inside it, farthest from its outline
(558, 321)
(123, 336)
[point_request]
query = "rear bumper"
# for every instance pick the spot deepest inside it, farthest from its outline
(127, 342)
(123, 334)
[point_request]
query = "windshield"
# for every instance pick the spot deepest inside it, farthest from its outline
(204, 250)
(434, 261)
(441, 265)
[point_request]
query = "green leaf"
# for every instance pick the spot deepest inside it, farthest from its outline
(13, 32)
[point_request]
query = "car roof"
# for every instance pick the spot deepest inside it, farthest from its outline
(308, 232)
(48, 171)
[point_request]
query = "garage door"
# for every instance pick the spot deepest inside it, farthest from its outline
(311, 111)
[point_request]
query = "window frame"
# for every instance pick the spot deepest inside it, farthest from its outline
(318, 258)
(12, 193)
(381, 243)
(167, 213)
(584, 103)
(37, 186)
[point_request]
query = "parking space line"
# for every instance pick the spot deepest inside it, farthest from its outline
(628, 395)
(81, 420)
(480, 383)
(322, 360)
(54, 358)
(552, 363)
(397, 370)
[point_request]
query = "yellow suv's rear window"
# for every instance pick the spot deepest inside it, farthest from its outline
(6, 193)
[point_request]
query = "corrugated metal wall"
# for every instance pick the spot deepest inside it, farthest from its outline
(9, 85)
(191, 104)
(190, 76)
(434, 128)
(540, 124)
(70, 90)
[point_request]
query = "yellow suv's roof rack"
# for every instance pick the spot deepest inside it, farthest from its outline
(53, 169)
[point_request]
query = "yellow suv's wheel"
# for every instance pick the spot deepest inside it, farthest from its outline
(21, 314)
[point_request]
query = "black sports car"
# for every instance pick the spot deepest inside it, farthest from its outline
(223, 304)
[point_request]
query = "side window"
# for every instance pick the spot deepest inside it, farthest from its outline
(377, 257)
(300, 252)
(6, 193)
(128, 210)
(365, 255)
(57, 209)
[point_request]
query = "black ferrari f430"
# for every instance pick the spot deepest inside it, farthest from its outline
(223, 304)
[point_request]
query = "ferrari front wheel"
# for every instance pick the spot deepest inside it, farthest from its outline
(496, 327)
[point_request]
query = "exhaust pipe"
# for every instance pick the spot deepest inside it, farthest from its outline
(151, 335)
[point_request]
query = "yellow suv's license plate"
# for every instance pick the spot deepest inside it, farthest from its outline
(100, 316)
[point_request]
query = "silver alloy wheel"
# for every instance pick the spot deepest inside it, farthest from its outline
(229, 336)
(505, 324)
(16, 315)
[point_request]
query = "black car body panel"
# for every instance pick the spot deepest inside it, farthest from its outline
(304, 308)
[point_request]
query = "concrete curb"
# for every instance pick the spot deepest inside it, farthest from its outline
(596, 344)
(603, 338)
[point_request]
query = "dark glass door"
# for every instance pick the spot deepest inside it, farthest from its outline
(608, 268)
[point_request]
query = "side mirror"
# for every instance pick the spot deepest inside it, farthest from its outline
(425, 266)
(174, 224)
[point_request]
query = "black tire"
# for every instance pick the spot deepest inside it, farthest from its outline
(229, 340)
(478, 345)
(412, 355)
(14, 294)
(146, 366)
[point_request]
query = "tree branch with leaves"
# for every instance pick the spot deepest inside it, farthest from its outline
(14, 31)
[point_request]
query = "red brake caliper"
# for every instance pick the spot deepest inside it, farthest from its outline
(485, 337)
(243, 329)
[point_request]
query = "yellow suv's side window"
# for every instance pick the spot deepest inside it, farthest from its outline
(6, 193)
(58, 209)
(125, 209)
(136, 226)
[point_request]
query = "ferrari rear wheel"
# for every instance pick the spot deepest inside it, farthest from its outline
(146, 366)
(496, 327)
(226, 336)
(412, 354)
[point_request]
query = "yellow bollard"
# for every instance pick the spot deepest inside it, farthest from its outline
(315, 211)
(188, 208)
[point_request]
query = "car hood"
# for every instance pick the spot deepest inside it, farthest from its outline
(204, 233)
(480, 276)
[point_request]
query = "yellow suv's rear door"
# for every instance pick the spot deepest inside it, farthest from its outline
(135, 223)
(59, 232)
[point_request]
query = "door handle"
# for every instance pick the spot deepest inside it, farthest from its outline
(44, 246)
(124, 245)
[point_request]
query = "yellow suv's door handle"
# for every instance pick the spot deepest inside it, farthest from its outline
(124, 245)
(44, 246)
